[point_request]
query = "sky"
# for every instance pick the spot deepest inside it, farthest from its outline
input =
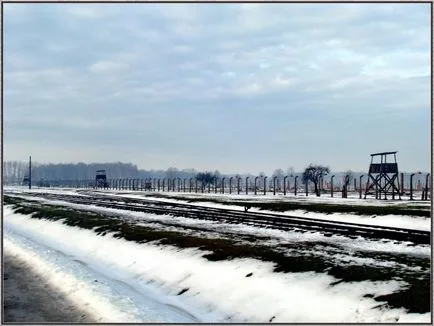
(229, 87)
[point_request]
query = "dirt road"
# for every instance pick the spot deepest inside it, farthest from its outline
(29, 298)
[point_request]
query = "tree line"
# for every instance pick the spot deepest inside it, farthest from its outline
(15, 171)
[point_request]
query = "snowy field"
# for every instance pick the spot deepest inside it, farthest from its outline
(108, 294)
(353, 199)
(410, 222)
(125, 281)
(207, 228)
(402, 221)
(149, 285)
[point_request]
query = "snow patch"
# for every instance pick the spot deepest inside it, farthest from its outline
(218, 287)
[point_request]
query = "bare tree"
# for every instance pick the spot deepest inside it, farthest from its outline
(279, 174)
(206, 178)
(314, 173)
(290, 171)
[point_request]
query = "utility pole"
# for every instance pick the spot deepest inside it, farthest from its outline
(30, 172)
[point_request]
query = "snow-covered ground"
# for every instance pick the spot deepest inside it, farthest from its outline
(353, 199)
(401, 221)
(107, 294)
(140, 282)
(274, 236)
(54, 191)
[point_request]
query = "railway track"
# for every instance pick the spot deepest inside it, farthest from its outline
(265, 220)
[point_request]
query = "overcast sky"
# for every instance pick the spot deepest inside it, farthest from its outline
(233, 87)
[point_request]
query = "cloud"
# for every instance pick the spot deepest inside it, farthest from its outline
(81, 11)
(202, 66)
(106, 66)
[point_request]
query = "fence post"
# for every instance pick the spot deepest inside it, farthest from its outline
(274, 185)
(411, 185)
(265, 186)
(426, 186)
(402, 184)
(332, 185)
(295, 185)
(256, 179)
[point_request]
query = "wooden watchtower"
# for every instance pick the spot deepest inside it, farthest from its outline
(101, 179)
(26, 180)
(383, 177)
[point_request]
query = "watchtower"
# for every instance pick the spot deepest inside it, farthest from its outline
(383, 177)
(26, 180)
(101, 179)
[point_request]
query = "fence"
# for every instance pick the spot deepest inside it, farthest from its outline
(286, 186)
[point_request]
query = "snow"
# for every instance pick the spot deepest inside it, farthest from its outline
(220, 290)
(276, 236)
(400, 221)
(112, 298)
(80, 291)
(36, 190)
(353, 199)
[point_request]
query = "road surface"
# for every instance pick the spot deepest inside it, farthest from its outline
(29, 298)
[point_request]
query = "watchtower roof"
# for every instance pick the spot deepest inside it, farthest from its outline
(384, 153)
